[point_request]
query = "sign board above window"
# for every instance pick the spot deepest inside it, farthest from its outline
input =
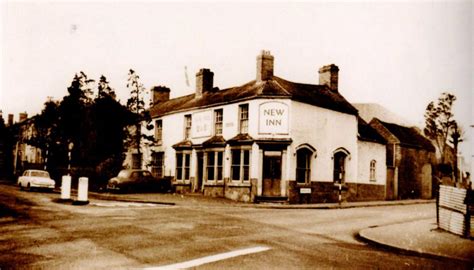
(273, 118)
(202, 124)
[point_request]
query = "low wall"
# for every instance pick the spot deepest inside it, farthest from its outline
(326, 192)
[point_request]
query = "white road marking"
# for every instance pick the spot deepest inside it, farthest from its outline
(209, 259)
(124, 204)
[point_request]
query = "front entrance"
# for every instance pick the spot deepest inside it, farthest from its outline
(271, 173)
(199, 173)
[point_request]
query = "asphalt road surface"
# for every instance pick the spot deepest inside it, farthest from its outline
(36, 232)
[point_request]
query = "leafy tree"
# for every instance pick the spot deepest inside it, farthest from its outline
(440, 125)
(104, 89)
(136, 105)
(74, 123)
(110, 120)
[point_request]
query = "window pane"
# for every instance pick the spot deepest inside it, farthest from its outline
(244, 116)
(235, 172)
(210, 165)
(236, 157)
(246, 172)
(158, 131)
(186, 173)
(218, 122)
(179, 160)
(187, 160)
(246, 157)
(220, 158)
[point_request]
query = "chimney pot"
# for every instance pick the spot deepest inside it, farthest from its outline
(23, 117)
(160, 94)
(204, 81)
(264, 66)
(329, 75)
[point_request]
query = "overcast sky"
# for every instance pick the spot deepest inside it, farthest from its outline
(401, 55)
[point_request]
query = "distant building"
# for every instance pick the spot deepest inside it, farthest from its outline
(268, 139)
(24, 155)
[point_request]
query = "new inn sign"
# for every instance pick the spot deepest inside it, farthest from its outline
(273, 118)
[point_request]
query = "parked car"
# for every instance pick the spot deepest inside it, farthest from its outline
(132, 180)
(36, 179)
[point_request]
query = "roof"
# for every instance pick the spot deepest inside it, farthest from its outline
(367, 133)
(368, 111)
(318, 95)
(408, 136)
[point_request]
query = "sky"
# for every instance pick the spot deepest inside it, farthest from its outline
(400, 54)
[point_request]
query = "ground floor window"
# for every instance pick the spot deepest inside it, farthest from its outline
(240, 165)
(157, 164)
(214, 164)
(183, 162)
(303, 165)
(372, 170)
(136, 161)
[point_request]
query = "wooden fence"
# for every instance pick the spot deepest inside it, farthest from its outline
(455, 210)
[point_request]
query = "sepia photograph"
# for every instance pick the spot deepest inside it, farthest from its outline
(237, 134)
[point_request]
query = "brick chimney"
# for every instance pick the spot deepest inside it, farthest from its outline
(264, 66)
(204, 81)
(23, 117)
(10, 119)
(160, 94)
(329, 75)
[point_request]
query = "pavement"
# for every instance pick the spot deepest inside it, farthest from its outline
(420, 237)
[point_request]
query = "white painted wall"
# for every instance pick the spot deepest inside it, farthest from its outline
(369, 151)
(325, 130)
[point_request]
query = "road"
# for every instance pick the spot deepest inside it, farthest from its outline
(36, 232)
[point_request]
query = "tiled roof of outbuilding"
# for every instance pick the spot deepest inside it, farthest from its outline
(318, 95)
(367, 133)
(408, 136)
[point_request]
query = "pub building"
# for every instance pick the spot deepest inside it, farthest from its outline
(267, 140)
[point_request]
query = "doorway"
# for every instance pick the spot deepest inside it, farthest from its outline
(339, 167)
(272, 173)
(199, 173)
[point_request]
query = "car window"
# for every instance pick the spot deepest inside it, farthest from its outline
(40, 174)
(146, 173)
(25, 173)
(134, 175)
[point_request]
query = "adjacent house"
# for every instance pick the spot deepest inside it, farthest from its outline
(268, 139)
(410, 157)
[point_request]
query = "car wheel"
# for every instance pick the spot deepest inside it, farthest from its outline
(21, 187)
(28, 187)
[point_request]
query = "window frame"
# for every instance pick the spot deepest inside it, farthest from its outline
(214, 167)
(242, 166)
(308, 154)
(160, 165)
(244, 118)
(373, 171)
(159, 131)
(218, 122)
(188, 123)
(185, 168)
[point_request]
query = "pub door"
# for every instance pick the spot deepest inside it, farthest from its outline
(199, 173)
(271, 173)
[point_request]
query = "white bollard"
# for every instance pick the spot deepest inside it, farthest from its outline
(66, 187)
(83, 189)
